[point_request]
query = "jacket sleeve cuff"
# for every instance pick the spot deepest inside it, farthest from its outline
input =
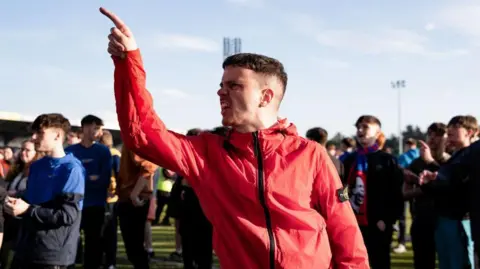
(129, 54)
(30, 211)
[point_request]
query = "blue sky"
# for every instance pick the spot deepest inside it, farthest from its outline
(340, 57)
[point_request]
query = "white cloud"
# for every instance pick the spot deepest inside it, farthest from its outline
(186, 42)
(430, 26)
(36, 36)
(248, 3)
(303, 23)
(374, 41)
(393, 41)
(174, 93)
(333, 64)
(386, 41)
(463, 18)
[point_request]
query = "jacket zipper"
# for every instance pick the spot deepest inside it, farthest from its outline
(261, 194)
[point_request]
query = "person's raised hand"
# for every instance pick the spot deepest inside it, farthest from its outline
(426, 152)
(120, 38)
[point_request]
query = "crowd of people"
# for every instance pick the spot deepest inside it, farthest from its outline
(120, 185)
(261, 194)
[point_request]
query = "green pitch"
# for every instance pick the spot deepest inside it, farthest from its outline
(163, 238)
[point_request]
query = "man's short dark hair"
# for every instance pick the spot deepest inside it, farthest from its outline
(91, 119)
(468, 122)
(52, 120)
(194, 132)
(318, 135)
(369, 119)
(437, 128)
(349, 142)
(411, 142)
(221, 130)
(260, 64)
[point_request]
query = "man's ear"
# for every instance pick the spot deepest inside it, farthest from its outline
(267, 97)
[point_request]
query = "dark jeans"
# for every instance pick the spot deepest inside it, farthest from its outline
(92, 223)
(378, 245)
(109, 234)
(196, 233)
(423, 242)
(132, 225)
(402, 226)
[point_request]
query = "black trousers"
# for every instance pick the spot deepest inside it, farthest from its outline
(423, 242)
(132, 225)
(196, 233)
(402, 225)
(92, 223)
(109, 234)
(378, 245)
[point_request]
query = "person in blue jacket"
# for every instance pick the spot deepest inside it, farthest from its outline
(97, 161)
(50, 214)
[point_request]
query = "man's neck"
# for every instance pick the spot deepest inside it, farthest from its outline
(260, 125)
(87, 143)
(367, 145)
(463, 145)
(56, 153)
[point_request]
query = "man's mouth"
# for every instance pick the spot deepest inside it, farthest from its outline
(224, 105)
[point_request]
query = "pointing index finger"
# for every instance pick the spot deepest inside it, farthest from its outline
(114, 18)
(425, 145)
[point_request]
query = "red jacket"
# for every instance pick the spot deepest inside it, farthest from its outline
(273, 197)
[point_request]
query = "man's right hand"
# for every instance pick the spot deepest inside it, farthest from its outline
(136, 201)
(120, 38)
(427, 176)
(426, 152)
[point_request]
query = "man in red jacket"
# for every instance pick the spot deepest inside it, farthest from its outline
(274, 199)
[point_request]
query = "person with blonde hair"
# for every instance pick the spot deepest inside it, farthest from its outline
(16, 183)
(110, 225)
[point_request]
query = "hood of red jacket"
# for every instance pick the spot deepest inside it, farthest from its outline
(269, 139)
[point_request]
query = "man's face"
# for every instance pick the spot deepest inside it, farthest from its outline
(240, 96)
(367, 133)
(92, 132)
(72, 138)
(47, 139)
(437, 143)
(458, 136)
(27, 152)
(332, 150)
(8, 154)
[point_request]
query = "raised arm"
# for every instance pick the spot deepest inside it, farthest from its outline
(142, 130)
(330, 198)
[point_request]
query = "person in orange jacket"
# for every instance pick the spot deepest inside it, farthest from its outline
(274, 199)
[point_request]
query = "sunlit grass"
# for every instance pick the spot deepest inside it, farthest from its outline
(164, 244)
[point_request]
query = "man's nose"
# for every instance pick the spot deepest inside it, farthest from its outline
(221, 92)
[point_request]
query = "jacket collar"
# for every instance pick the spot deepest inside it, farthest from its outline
(269, 139)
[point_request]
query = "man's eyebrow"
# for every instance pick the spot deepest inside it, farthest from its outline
(229, 82)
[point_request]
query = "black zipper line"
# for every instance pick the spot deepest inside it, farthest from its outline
(261, 193)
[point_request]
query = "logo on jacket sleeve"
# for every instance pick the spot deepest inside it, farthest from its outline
(342, 194)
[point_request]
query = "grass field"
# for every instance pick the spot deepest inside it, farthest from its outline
(164, 245)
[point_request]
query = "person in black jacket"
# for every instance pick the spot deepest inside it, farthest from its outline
(320, 136)
(195, 229)
(455, 194)
(422, 206)
(375, 182)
